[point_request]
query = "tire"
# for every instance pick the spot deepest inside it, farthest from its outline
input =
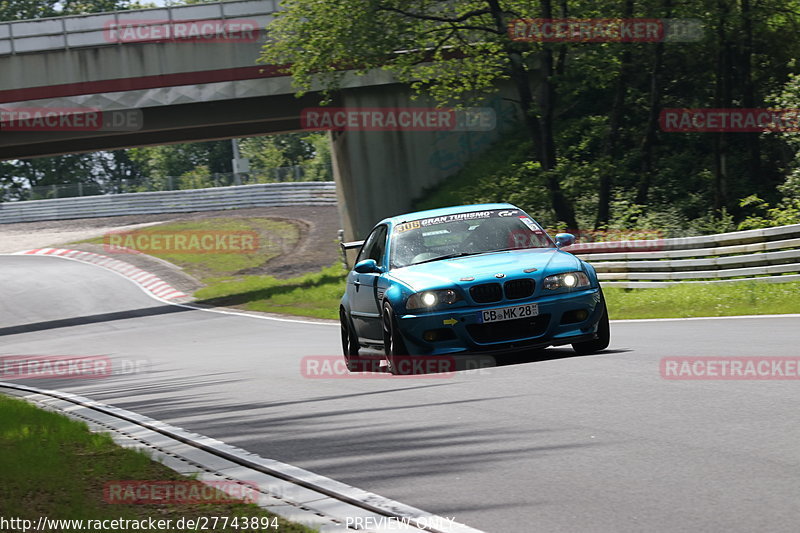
(350, 344)
(603, 335)
(393, 344)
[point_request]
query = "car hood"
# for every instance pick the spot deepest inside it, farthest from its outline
(485, 267)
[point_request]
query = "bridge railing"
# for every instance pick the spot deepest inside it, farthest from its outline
(260, 195)
(91, 30)
(764, 255)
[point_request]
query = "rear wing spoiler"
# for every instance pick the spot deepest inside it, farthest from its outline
(352, 245)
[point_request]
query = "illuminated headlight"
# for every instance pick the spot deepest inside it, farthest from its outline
(427, 299)
(569, 280)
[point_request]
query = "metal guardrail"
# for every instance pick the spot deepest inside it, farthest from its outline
(74, 31)
(258, 195)
(769, 255)
(764, 255)
(296, 173)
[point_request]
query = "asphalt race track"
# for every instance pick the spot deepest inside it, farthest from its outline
(558, 443)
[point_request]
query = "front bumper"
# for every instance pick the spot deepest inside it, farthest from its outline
(467, 334)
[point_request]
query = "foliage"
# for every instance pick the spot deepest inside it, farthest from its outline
(318, 38)
(505, 174)
(274, 237)
(53, 466)
(786, 212)
(159, 163)
(308, 150)
(786, 209)
(197, 178)
(34, 9)
(601, 96)
(682, 182)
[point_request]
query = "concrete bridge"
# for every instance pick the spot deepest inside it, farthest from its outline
(201, 83)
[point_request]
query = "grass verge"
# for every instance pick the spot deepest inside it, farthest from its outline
(274, 238)
(313, 295)
(55, 467)
(231, 281)
(696, 299)
(317, 295)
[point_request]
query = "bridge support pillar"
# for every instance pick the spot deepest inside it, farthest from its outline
(380, 173)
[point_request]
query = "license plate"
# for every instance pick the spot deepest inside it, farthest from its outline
(508, 313)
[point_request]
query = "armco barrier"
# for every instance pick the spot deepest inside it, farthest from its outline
(765, 255)
(769, 255)
(218, 198)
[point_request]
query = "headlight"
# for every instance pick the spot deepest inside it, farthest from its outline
(569, 280)
(428, 299)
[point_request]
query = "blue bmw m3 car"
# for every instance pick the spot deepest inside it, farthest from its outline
(469, 279)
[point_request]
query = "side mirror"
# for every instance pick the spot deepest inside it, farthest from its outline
(565, 239)
(367, 266)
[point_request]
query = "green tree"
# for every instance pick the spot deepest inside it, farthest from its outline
(308, 150)
(264, 155)
(163, 164)
(27, 9)
(454, 51)
(197, 178)
(318, 167)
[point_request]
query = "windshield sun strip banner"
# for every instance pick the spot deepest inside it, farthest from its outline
(455, 217)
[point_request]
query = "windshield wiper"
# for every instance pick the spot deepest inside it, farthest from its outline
(515, 249)
(462, 254)
(448, 256)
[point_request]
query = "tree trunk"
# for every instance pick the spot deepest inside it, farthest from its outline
(614, 124)
(540, 129)
(561, 61)
(722, 99)
(749, 100)
(649, 139)
(547, 96)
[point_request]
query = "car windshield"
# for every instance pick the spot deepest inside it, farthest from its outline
(459, 234)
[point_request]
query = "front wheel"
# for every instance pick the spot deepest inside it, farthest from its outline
(393, 344)
(603, 335)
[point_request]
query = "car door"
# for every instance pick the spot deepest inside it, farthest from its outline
(363, 289)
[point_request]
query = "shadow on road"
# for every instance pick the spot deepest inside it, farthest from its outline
(373, 361)
(92, 319)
